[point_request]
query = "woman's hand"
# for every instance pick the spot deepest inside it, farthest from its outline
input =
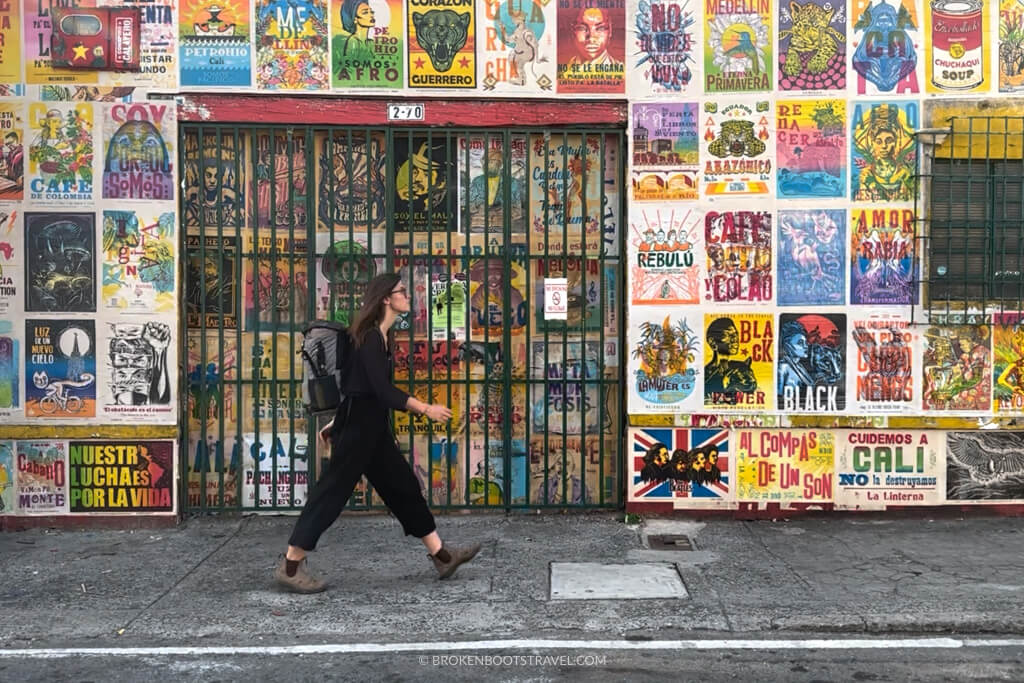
(437, 412)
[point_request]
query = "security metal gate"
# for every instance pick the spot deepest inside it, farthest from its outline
(509, 243)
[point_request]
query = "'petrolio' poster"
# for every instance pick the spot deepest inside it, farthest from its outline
(665, 244)
(215, 43)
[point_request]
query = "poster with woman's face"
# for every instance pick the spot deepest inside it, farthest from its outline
(811, 363)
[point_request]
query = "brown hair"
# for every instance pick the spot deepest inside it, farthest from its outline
(372, 311)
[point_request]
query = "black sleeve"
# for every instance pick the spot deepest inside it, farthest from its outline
(375, 362)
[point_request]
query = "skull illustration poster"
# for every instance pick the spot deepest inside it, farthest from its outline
(10, 43)
(811, 365)
(738, 369)
(213, 265)
(141, 362)
(811, 148)
(884, 348)
(60, 263)
(666, 152)
(957, 364)
(985, 466)
(139, 263)
(60, 152)
(11, 348)
(876, 470)
(60, 368)
(783, 466)
(739, 256)
(887, 39)
(12, 152)
(353, 160)
(424, 174)
(138, 140)
(688, 467)
(366, 44)
(737, 159)
(1008, 362)
(664, 47)
(489, 190)
(38, 30)
(216, 46)
(158, 54)
(665, 361)
(737, 46)
(1011, 46)
(812, 257)
(291, 49)
(518, 52)
(591, 46)
(214, 183)
(958, 45)
(442, 43)
(883, 267)
(812, 45)
(12, 262)
(665, 244)
(42, 483)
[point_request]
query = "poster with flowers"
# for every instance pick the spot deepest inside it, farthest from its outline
(60, 152)
(292, 52)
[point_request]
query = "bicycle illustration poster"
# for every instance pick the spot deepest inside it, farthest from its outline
(60, 368)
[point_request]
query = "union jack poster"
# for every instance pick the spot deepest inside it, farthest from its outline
(690, 468)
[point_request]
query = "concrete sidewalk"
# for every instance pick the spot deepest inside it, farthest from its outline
(209, 581)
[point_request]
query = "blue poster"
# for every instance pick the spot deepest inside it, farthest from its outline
(215, 45)
(812, 257)
(60, 368)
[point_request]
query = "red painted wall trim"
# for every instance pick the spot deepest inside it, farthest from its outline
(367, 111)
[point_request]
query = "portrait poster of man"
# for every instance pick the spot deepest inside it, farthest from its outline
(214, 191)
(738, 367)
(12, 151)
(591, 47)
(424, 169)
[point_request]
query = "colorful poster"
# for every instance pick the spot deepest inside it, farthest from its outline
(366, 44)
(85, 93)
(812, 45)
(277, 285)
(487, 408)
(958, 45)
(343, 269)
(492, 298)
(491, 200)
(570, 470)
(486, 471)
(738, 368)
(1011, 46)
(38, 29)
(887, 375)
(785, 466)
(8, 493)
(60, 368)
(666, 163)
(689, 468)
(440, 360)
(812, 257)
(448, 304)
(12, 262)
(272, 366)
(346, 161)
(737, 46)
(452, 395)
(423, 175)
(664, 362)
(591, 46)
(10, 42)
(291, 48)
(883, 153)
(214, 182)
(442, 43)
(878, 469)
(570, 401)
(141, 368)
(1008, 363)
(138, 160)
(957, 364)
(212, 373)
(665, 243)
(811, 148)
(739, 256)
(737, 159)
(216, 47)
(811, 365)
(213, 265)
(60, 163)
(41, 484)
(440, 469)
(591, 298)
(139, 264)
(275, 470)
(60, 262)
(158, 54)
(10, 372)
(887, 42)
(657, 186)
(281, 182)
(664, 49)
(518, 51)
(12, 152)
(984, 466)
(883, 266)
(121, 476)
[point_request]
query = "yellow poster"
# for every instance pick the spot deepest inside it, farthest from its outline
(442, 44)
(782, 465)
(10, 41)
(38, 29)
(957, 43)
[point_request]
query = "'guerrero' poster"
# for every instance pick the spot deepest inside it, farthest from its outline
(785, 466)
(665, 243)
(739, 256)
(518, 52)
(366, 44)
(141, 363)
(812, 257)
(121, 476)
(1011, 46)
(664, 48)
(958, 46)
(291, 49)
(60, 262)
(138, 141)
(60, 368)
(666, 154)
(442, 43)
(888, 46)
(12, 152)
(738, 367)
(139, 264)
(12, 262)
(665, 361)
(216, 43)
(876, 469)
(811, 148)
(882, 260)
(38, 29)
(957, 362)
(811, 365)
(884, 348)
(10, 43)
(737, 159)
(883, 152)
(41, 482)
(689, 468)
(984, 466)
(10, 372)
(591, 46)
(1008, 363)
(158, 54)
(812, 45)
(60, 154)
(738, 46)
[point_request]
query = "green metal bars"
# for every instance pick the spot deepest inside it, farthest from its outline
(509, 243)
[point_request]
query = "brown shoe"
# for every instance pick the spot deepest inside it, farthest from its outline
(457, 556)
(302, 582)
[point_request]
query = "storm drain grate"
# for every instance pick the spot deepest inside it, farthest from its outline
(669, 542)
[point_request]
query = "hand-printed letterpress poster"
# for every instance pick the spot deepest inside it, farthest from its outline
(666, 247)
(367, 44)
(812, 257)
(60, 155)
(12, 261)
(442, 43)
(666, 151)
(811, 148)
(216, 43)
(138, 264)
(8, 475)
(957, 364)
(984, 466)
(664, 360)
(38, 30)
(811, 365)
(158, 55)
(664, 47)
(812, 45)
(424, 176)
(883, 151)
(12, 348)
(10, 43)
(958, 45)
(12, 151)
(60, 369)
(739, 256)
(518, 50)
(121, 476)
(138, 159)
(691, 468)
(882, 257)
(1011, 46)
(737, 159)
(1008, 363)
(280, 175)
(483, 180)
(884, 349)
(785, 466)
(888, 45)
(291, 50)
(738, 368)
(140, 365)
(60, 262)
(591, 46)
(42, 479)
(879, 469)
(738, 46)
(214, 183)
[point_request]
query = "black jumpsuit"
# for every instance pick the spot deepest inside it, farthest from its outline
(363, 443)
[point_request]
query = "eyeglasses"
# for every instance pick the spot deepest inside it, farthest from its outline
(401, 291)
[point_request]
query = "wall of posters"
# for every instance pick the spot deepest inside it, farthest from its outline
(738, 366)
(812, 46)
(139, 151)
(883, 151)
(139, 363)
(665, 151)
(664, 47)
(984, 466)
(41, 483)
(442, 43)
(739, 256)
(60, 262)
(60, 153)
(12, 152)
(785, 466)
(811, 363)
(737, 158)
(884, 348)
(665, 361)
(882, 250)
(738, 46)
(690, 468)
(664, 264)
(957, 365)
(120, 476)
(888, 46)
(877, 469)
(517, 53)
(811, 148)
(60, 369)
(292, 52)
(812, 257)
(591, 46)
(216, 47)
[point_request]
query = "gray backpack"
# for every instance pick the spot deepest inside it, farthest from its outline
(326, 350)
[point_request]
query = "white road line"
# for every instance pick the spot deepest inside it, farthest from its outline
(515, 645)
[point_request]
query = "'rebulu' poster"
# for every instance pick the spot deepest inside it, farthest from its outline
(664, 263)
(216, 43)
(738, 361)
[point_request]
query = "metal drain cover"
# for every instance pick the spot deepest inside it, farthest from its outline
(669, 542)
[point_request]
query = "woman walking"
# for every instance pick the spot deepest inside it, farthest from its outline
(363, 443)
